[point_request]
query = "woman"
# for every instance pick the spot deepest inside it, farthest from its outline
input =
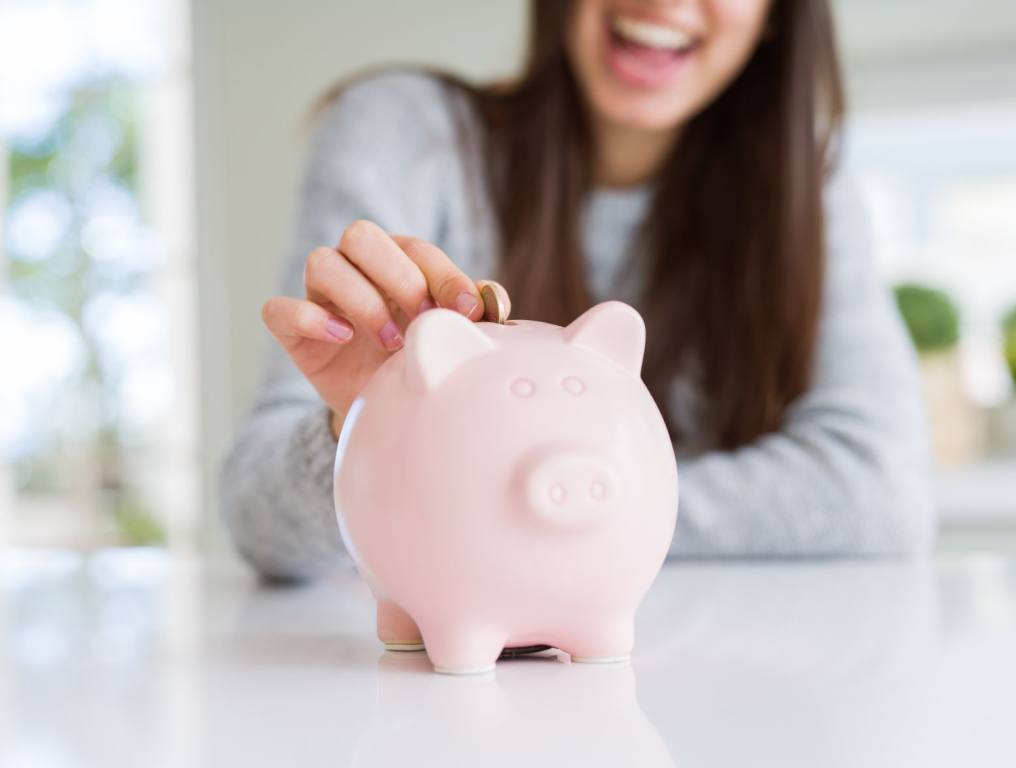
(675, 155)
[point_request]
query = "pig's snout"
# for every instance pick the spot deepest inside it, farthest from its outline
(571, 488)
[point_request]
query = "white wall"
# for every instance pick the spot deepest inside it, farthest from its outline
(917, 53)
(259, 64)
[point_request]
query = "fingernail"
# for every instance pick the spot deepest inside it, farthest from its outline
(427, 303)
(390, 336)
(338, 329)
(465, 303)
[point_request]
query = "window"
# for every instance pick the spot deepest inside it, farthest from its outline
(941, 188)
(96, 411)
(940, 184)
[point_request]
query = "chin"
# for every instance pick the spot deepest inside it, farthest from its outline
(640, 112)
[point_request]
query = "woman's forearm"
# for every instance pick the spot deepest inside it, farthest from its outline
(816, 489)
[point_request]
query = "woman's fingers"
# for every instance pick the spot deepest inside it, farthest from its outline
(331, 278)
(292, 320)
(377, 282)
(376, 255)
(448, 284)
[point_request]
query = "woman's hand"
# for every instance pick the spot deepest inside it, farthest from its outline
(360, 297)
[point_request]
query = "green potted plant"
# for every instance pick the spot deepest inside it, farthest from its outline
(1009, 342)
(931, 318)
(933, 321)
(1005, 424)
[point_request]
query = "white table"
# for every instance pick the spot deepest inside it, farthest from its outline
(133, 658)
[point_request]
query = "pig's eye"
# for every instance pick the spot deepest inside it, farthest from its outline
(523, 388)
(573, 385)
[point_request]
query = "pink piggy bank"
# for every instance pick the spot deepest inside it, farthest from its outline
(508, 485)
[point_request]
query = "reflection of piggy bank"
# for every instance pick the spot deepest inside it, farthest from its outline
(508, 485)
(537, 712)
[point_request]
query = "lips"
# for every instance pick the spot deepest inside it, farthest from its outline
(646, 54)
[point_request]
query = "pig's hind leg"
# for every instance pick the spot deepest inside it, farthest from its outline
(601, 642)
(462, 648)
(396, 628)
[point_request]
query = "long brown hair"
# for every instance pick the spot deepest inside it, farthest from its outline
(735, 230)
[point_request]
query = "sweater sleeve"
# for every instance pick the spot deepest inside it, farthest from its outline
(380, 151)
(848, 472)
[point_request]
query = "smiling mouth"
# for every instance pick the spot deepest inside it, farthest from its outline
(636, 33)
(647, 55)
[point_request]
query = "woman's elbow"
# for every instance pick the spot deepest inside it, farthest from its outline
(896, 512)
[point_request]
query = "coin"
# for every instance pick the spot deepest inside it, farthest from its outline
(496, 304)
(522, 650)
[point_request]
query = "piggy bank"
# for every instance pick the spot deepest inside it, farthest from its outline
(506, 485)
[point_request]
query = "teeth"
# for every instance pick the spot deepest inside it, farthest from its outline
(651, 35)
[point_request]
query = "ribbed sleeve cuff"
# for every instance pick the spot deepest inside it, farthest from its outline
(312, 533)
(311, 454)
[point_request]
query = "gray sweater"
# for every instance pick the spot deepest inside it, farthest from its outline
(846, 474)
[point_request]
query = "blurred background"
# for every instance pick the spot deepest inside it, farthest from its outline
(150, 151)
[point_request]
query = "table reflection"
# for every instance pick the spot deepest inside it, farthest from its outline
(141, 658)
(531, 711)
(818, 663)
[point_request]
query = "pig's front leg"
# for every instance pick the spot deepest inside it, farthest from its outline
(602, 641)
(459, 647)
(396, 628)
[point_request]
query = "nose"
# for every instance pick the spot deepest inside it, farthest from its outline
(571, 488)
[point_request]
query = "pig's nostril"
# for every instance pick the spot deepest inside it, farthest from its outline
(573, 385)
(569, 488)
(557, 493)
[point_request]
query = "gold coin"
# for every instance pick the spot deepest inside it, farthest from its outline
(496, 304)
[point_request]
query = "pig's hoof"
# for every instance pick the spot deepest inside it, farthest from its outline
(602, 659)
(465, 670)
(402, 647)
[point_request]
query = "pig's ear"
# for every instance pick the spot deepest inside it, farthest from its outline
(613, 329)
(438, 342)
